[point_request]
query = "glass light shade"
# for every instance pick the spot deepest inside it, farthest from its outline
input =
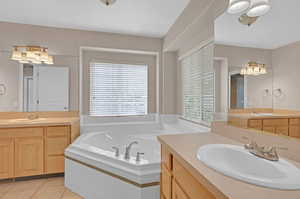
(16, 55)
(31, 54)
(238, 6)
(259, 8)
(49, 61)
(44, 56)
(253, 68)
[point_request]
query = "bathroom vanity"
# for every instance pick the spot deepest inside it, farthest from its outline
(35, 147)
(184, 176)
(277, 122)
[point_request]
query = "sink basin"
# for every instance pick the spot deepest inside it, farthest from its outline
(237, 162)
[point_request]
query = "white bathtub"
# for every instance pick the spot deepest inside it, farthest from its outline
(93, 171)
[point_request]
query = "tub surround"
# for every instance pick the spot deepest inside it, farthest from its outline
(91, 162)
(184, 176)
(35, 147)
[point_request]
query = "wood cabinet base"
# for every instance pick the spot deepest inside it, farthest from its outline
(177, 182)
(33, 151)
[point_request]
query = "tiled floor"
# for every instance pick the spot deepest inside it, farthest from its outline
(50, 188)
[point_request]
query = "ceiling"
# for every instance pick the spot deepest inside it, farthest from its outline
(137, 17)
(277, 28)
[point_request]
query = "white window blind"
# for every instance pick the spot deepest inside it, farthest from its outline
(198, 79)
(118, 89)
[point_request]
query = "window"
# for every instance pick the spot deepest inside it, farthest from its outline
(198, 79)
(118, 89)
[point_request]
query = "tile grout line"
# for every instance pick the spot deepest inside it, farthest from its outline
(42, 184)
(7, 190)
(61, 197)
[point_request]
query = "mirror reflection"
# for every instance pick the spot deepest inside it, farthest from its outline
(259, 67)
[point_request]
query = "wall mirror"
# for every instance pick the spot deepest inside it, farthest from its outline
(33, 87)
(258, 59)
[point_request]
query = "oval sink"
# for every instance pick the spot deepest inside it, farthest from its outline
(237, 162)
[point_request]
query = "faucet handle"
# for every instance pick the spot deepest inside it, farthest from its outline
(251, 145)
(117, 151)
(138, 156)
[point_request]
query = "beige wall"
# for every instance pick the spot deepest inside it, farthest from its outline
(283, 73)
(65, 45)
(194, 26)
(120, 58)
(169, 82)
(286, 64)
(9, 72)
(237, 57)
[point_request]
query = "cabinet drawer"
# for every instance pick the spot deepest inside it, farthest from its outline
(166, 158)
(21, 132)
(276, 122)
(255, 123)
(294, 121)
(166, 182)
(55, 164)
(56, 145)
(57, 131)
(189, 184)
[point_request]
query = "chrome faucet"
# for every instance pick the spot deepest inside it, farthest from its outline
(268, 153)
(127, 150)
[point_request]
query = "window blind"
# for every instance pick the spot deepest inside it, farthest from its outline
(198, 83)
(118, 89)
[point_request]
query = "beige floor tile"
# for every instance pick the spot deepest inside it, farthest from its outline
(23, 189)
(55, 181)
(49, 192)
(70, 195)
(5, 187)
(18, 195)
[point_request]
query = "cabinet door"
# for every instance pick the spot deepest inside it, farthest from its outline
(6, 158)
(282, 130)
(294, 131)
(269, 129)
(177, 192)
(29, 156)
(166, 182)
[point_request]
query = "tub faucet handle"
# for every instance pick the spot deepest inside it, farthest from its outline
(138, 156)
(117, 151)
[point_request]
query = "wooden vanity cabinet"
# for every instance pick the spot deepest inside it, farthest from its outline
(33, 151)
(178, 183)
(6, 158)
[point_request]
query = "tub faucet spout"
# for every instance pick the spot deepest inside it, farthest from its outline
(127, 150)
